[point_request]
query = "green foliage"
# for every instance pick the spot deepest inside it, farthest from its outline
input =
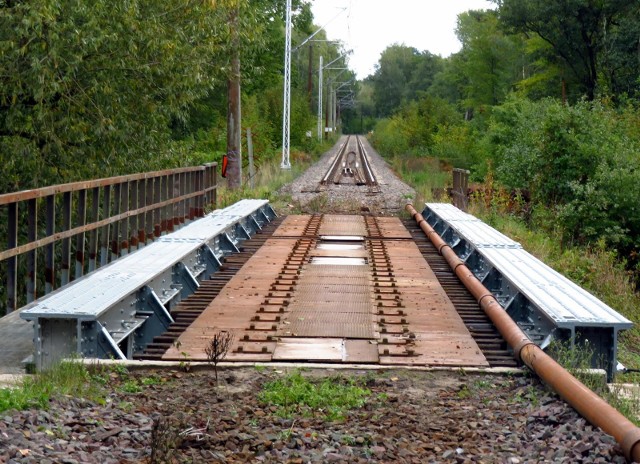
(91, 87)
(491, 58)
(298, 395)
(67, 378)
(401, 74)
(583, 159)
(593, 40)
(413, 128)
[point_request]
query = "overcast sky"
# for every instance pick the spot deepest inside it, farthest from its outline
(369, 26)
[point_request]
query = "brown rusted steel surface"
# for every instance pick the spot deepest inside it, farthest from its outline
(119, 213)
(593, 408)
(282, 306)
(483, 331)
(349, 225)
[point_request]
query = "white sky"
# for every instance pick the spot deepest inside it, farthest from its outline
(369, 26)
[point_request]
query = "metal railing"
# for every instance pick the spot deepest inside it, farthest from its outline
(99, 219)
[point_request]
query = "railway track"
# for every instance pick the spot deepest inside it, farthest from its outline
(351, 166)
(394, 317)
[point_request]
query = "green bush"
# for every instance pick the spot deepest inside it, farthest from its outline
(581, 160)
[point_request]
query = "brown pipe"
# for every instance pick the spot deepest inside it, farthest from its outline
(593, 408)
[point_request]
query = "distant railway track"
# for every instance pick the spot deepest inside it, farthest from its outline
(351, 166)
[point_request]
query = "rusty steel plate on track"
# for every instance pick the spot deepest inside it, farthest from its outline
(336, 271)
(357, 304)
(309, 349)
(292, 226)
(343, 325)
(392, 228)
(338, 261)
(339, 245)
(333, 224)
(361, 351)
(308, 292)
(442, 349)
(325, 350)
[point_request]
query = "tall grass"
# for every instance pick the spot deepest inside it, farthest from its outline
(269, 178)
(70, 378)
(426, 175)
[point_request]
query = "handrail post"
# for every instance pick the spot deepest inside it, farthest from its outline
(49, 250)
(12, 263)
(32, 257)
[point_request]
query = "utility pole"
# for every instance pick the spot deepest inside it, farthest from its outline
(310, 76)
(234, 139)
(328, 112)
(286, 107)
(320, 68)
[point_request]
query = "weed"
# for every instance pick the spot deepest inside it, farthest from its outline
(260, 368)
(151, 380)
(131, 386)
(69, 378)
(295, 394)
(217, 348)
(348, 440)
(482, 384)
(184, 364)
(125, 406)
(165, 439)
(464, 392)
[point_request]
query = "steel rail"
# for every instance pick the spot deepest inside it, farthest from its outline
(331, 173)
(369, 177)
(591, 406)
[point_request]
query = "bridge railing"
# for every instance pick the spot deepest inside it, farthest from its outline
(53, 235)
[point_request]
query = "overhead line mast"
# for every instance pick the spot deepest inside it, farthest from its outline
(286, 108)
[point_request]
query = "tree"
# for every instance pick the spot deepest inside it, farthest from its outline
(401, 73)
(577, 30)
(90, 88)
(490, 59)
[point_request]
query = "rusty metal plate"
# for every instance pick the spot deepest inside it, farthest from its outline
(337, 261)
(325, 350)
(360, 351)
(309, 349)
(333, 224)
(437, 349)
(333, 293)
(392, 228)
(339, 286)
(441, 337)
(292, 226)
(354, 306)
(343, 325)
(328, 270)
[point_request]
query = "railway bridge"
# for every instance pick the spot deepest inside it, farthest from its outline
(155, 277)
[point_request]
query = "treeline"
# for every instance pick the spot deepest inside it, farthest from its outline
(96, 88)
(542, 98)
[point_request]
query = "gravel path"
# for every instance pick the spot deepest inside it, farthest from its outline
(410, 416)
(310, 197)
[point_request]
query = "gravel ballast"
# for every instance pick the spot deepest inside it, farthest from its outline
(310, 197)
(410, 416)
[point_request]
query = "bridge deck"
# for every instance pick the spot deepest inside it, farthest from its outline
(346, 289)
